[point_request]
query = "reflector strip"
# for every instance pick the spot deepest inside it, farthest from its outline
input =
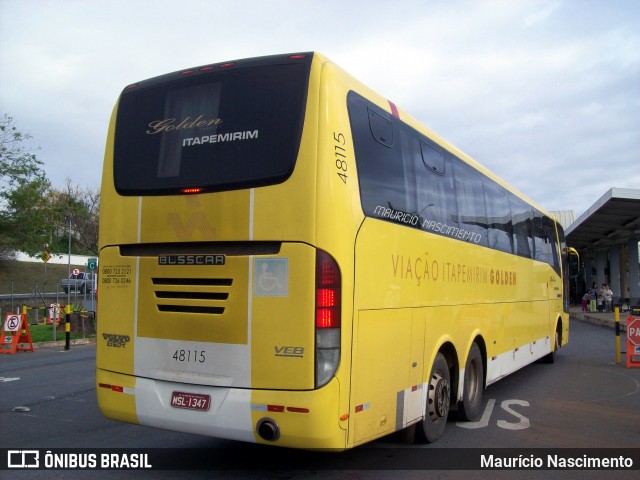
(277, 408)
(116, 388)
(297, 410)
(363, 407)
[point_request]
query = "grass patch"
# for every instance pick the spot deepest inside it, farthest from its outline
(44, 333)
(23, 276)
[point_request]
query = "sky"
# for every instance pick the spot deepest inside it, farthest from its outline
(545, 93)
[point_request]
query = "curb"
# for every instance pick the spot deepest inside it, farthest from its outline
(62, 343)
(603, 322)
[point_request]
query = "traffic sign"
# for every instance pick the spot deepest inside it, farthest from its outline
(75, 271)
(92, 264)
(633, 330)
(17, 337)
(12, 323)
(633, 341)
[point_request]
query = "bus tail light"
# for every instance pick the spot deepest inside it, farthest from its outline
(192, 190)
(328, 317)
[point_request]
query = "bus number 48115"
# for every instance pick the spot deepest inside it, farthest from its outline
(341, 158)
(195, 356)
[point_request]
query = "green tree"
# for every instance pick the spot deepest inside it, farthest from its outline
(17, 162)
(33, 215)
(78, 207)
(27, 216)
(23, 192)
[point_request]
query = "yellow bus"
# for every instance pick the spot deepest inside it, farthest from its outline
(288, 258)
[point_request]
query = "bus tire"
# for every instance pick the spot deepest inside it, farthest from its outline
(438, 400)
(473, 389)
(551, 357)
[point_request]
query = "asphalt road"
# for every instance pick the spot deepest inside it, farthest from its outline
(584, 400)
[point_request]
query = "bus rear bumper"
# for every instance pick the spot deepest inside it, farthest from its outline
(299, 419)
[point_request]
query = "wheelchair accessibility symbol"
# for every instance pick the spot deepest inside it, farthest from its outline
(271, 277)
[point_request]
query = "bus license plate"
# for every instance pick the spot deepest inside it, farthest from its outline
(193, 401)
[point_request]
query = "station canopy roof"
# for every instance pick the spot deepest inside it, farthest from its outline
(612, 220)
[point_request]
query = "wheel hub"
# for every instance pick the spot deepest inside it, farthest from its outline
(439, 394)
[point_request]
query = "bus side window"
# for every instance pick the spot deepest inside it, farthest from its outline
(381, 171)
(472, 212)
(521, 215)
(435, 186)
(499, 229)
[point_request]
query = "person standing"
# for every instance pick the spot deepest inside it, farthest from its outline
(586, 298)
(608, 298)
(593, 294)
(601, 298)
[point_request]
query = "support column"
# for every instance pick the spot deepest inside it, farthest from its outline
(614, 271)
(588, 271)
(633, 269)
(601, 265)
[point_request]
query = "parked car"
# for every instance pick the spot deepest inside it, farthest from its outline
(79, 282)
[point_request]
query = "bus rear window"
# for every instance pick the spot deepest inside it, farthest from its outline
(225, 130)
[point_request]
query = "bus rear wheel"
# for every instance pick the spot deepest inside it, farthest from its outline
(471, 405)
(438, 400)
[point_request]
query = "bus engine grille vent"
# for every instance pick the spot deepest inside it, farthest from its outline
(192, 295)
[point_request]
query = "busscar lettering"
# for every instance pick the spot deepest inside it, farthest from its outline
(191, 260)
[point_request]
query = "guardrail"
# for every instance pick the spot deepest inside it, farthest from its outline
(38, 301)
(27, 296)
